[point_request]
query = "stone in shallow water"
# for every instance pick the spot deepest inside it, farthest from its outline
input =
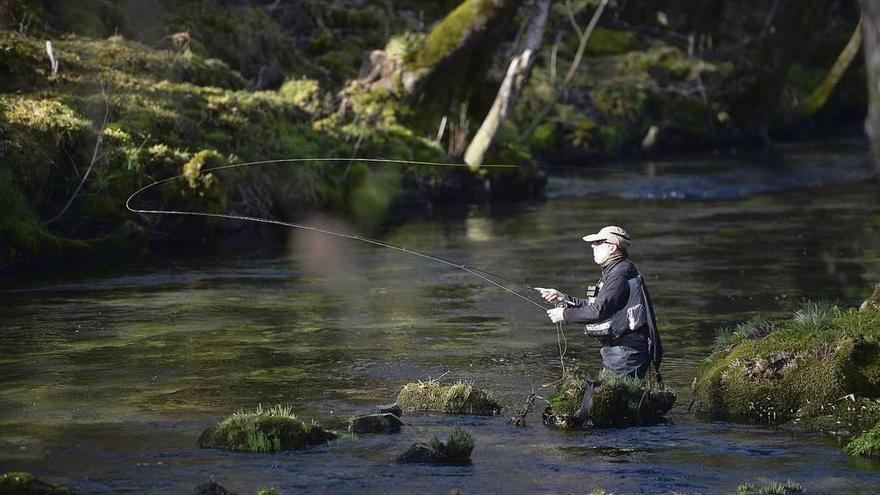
(393, 408)
(264, 430)
(22, 483)
(211, 487)
(458, 398)
(616, 401)
(375, 423)
(455, 452)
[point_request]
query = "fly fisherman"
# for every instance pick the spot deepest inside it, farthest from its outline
(617, 310)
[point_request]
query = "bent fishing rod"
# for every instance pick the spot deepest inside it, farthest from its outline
(475, 271)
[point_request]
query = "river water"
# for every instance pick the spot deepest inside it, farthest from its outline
(107, 379)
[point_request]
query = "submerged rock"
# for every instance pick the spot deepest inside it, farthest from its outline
(458, 398)
(375, 423)
(22, 483)
(264, 430)
(456, 451)
(819, 371)
(616, 401)
(211, 487)
(393, 408)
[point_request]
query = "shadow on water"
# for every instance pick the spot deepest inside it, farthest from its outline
(106, 381)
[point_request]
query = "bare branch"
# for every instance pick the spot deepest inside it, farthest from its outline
(94, 160)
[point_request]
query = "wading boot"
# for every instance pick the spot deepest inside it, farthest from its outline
(582, 415)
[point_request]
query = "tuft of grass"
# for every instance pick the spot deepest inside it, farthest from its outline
(617, 400)
(264, 430)
(868, 444)
(816, 315)
(772, 488)
(458, 398)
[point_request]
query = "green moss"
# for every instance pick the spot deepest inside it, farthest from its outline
(606, 41)
(617, 401)
(454, 29)
(304, 93)
(264, 430)
(21, 483)
(820, 369)
(868, 444)
(458, 398)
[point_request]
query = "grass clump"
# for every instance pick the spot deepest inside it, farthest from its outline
(772, 488)
(617, 401)
(455, 452)
(868, 444)
(458, 398)
(817, 371)
(22, 483)
(264, 430)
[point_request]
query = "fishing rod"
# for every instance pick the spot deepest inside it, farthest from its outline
(475, 271)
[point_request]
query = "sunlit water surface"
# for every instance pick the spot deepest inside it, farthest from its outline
(106, 382)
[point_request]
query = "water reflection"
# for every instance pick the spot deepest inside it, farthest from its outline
(114, 377)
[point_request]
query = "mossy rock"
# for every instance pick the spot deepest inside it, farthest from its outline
(458, 398)
(455, 452)
(819, 371)
(617, 401)
(264, 430)
(375, 423)
(868, 444)
(21, 483)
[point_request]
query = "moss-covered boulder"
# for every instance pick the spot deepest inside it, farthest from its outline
(21, 483)
(867, 444)
(375, 423)
(458, 398)
(818, 371)
(455, 452)
(264, 430)
(616, 401)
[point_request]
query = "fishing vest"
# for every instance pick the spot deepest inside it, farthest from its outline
(633, 315)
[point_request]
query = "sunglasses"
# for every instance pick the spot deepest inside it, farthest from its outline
(598, 243)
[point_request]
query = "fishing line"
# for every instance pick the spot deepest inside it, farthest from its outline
(475, 271)
(480, 273)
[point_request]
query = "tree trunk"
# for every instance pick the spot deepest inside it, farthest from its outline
(511, 86)
(871, 37)
(819, 96)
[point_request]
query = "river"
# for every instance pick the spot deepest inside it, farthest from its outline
(108, 377)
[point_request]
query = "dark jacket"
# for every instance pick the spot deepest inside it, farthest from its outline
(643, 343)
(611, 297)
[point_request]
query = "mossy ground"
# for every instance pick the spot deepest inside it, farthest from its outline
(264, 430)
(176, 112)
(820, 368)
(617, 401)
(458, 398)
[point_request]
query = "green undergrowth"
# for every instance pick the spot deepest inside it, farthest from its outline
(174, 112)
(817, 371)
(617, 400)
(264, 430)
(458, 398)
